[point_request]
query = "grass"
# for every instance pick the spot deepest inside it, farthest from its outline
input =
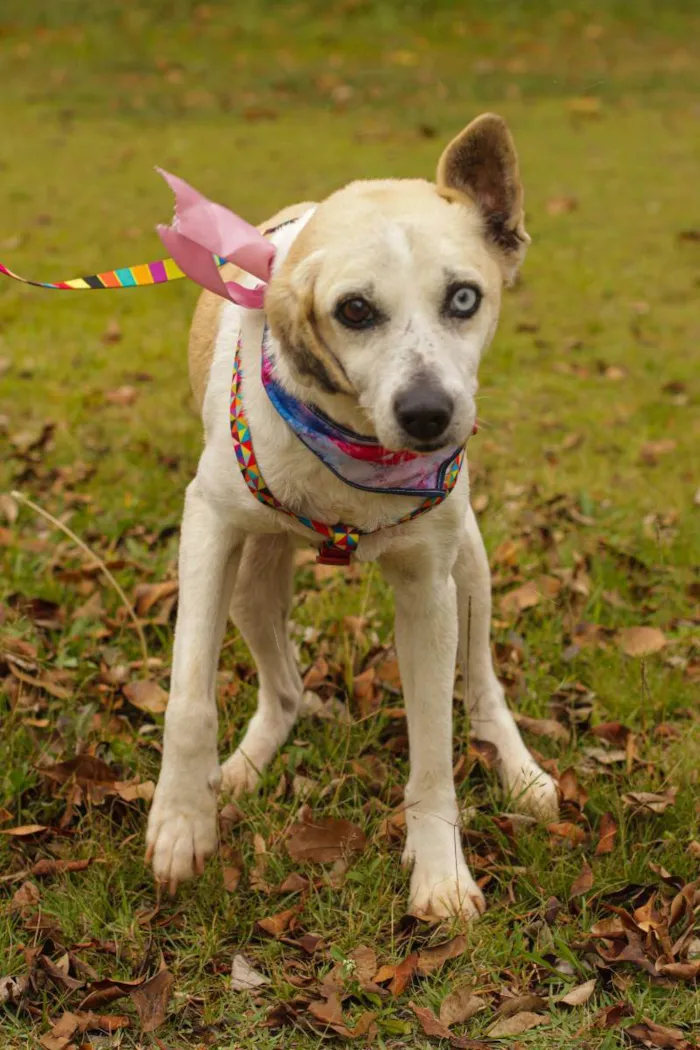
(595, 359)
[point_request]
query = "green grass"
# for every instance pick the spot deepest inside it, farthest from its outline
(598, 344)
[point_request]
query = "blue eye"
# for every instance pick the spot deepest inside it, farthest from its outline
(463, 300)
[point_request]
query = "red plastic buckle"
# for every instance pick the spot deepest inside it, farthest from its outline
(333, 556)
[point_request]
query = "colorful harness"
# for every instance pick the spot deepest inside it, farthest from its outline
(205, 235)
(340, 541)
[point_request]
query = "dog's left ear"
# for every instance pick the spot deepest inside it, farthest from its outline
(481, 163)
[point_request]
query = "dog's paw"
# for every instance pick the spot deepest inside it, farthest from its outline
(182, 833)
(238, 775)
(535, 793)
(439, 894)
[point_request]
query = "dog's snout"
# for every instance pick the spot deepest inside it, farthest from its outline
(423, 411)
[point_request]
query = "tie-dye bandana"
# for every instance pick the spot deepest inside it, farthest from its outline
(359, 461)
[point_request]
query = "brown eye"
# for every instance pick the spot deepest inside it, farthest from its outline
(356, 312)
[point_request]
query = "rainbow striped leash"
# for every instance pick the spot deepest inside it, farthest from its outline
(159, 272)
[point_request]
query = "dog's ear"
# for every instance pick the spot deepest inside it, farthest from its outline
(291, 314)
(481, 163)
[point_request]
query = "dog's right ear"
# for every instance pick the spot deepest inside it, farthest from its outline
(291, 314)
(481, 164)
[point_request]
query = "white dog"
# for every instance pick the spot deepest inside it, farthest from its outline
(380, 303)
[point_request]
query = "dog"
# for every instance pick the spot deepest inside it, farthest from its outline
(381, 301)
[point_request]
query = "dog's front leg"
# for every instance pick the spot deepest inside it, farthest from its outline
(426, 643)
(182, 825)
(532, 790)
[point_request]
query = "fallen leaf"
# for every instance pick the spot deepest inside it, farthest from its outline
(650, 1034)
(650, 801)
(530, 594)
(587, 107)
(147, 695)
(429, 1023)
(364, 960)
(113, 332)
(243, 977)
(561, 205)
(460, 1006)
(651, 450)
(608, 831)
(566, 830)
(520, 1003)
(147, 595)
(640, 641)
(278, 924)
(516, 1024)
(151, 999)
(613, 732)
(431, 959)
(324, 840)
(580, 994)
(24, 830)
(12, 989)
(27, 896)
(329, 1010)
(583, 883)
(546, 727)
(398, 974)
(610, 1016)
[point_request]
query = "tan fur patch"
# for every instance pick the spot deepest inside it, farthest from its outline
(205, 322)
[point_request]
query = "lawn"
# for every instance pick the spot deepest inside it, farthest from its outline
(585, 481)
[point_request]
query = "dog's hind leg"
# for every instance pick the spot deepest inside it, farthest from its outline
(531, 789)
(260, 609)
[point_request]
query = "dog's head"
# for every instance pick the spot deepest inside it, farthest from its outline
(391, 291)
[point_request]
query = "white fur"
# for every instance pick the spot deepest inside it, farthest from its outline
(236, 554)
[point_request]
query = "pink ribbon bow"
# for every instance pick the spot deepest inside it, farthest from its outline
(202, 229)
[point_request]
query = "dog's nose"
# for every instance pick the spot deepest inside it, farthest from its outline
(423, 411)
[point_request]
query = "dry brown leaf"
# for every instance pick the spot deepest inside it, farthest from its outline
(613, 732)
(651, 450)
(653, 1035)
(243, 977)
(583, 883)
(516, 1025)
(27, 896)
(329, 1010)
(399, 974)
(519, 1003)
(564, 829)
(530, 594)
(608, 831)
(429, 1023)
(364, 960)
(561, 205)
(431, 959)
(48, 866)
(147, 595)
(460, 1006)
(610, 1016)
(641, 641)
(587, 107)
(580, 994)
(547, 727)
(324, 840)
(147, 695)
(650, 801)
(151, 999)
(24, 830)
(278, 924)
(12, 989)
